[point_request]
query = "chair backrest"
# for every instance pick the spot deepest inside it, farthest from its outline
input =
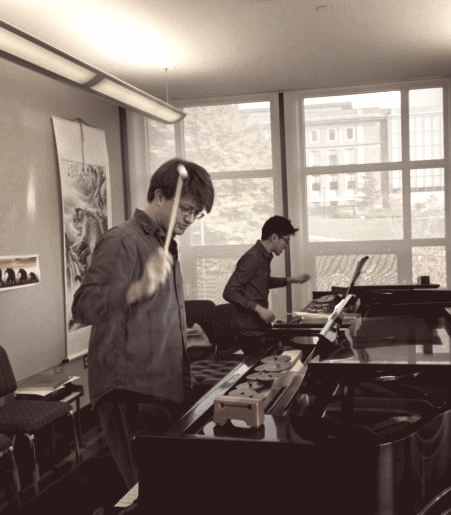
(201, 312)
(8, 383)
(222, 325)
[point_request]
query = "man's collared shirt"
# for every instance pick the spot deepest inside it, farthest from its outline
(141, 347)
(249, 285)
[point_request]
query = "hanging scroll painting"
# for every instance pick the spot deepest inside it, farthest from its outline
(86, 210)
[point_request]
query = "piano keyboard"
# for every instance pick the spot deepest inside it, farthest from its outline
(128, 498)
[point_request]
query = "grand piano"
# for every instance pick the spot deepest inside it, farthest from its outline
(350, 416)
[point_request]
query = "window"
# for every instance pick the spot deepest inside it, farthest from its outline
(350, 182)
(332, 157)
(314, 136)
(350, 156)
(367, 174)
(316, 184)
(331, 135)
(377, 119)
(333, 182)
(235, 143)
(426, 123)
(315, 158)
(386, 194)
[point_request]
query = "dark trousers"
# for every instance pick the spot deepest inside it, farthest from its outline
(252, 342)
(122, 414)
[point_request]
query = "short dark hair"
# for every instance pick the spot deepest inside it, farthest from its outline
(277, 225)
(198, 184)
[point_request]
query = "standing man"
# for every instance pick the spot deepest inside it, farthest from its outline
(132, 296)
(249, 285)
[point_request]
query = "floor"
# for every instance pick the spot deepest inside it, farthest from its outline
(66, 488)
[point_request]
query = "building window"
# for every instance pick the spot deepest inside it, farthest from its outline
(314, 136)
(332, 157)
(331, 135)
(314, 158)
(350, 182)
(333, 182)
(349, 131)
(349, 157)
(315, 183)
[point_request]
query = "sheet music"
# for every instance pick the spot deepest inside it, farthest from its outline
(128, 498)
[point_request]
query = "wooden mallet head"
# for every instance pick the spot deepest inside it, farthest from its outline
(183, 175)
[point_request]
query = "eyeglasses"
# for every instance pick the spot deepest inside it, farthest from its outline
(286, 240)
(188, 211)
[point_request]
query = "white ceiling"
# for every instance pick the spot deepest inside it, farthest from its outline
(225, 47)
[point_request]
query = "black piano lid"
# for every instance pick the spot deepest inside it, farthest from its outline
(396, 345)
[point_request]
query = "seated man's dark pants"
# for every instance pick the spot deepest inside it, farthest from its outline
(252, 342)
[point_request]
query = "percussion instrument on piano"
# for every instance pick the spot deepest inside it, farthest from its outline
(248, 400)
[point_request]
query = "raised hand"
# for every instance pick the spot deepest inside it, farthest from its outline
(156, 271)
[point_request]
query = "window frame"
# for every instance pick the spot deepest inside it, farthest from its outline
(304, 252)
(189, 254)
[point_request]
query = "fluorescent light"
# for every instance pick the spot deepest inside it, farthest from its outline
(137, 99)
(19, 47)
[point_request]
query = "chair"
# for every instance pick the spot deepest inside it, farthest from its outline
(208, 372)
(26, 417)
(6, 447)
(201, 312)
(226, 344)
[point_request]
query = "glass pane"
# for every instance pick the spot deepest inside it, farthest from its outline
(426, 123)
(429, 261)
(338, 270)
(161, 143)
(358, 129)
(212, 275)
(232, 137)
(427, 199)
(355, 207)
(241, 207)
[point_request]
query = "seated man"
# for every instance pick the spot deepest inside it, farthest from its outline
(249, 285)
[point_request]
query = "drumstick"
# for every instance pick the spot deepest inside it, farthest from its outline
(183, 174)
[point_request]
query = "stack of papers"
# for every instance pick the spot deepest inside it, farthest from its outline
(43, 384)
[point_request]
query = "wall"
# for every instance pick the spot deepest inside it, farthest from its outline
(32, 318)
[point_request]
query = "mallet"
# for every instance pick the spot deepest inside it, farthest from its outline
(183, 174)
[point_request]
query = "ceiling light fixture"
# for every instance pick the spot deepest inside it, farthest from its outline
(23, 49)
(323, 8)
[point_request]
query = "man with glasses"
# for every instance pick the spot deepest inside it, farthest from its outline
(132, 296)
(249, 285)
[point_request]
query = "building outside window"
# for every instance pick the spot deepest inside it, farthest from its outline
(384, 203)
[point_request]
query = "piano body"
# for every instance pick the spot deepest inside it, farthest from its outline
(360, 425)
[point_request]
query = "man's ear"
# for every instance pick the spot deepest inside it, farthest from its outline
(158, 196)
